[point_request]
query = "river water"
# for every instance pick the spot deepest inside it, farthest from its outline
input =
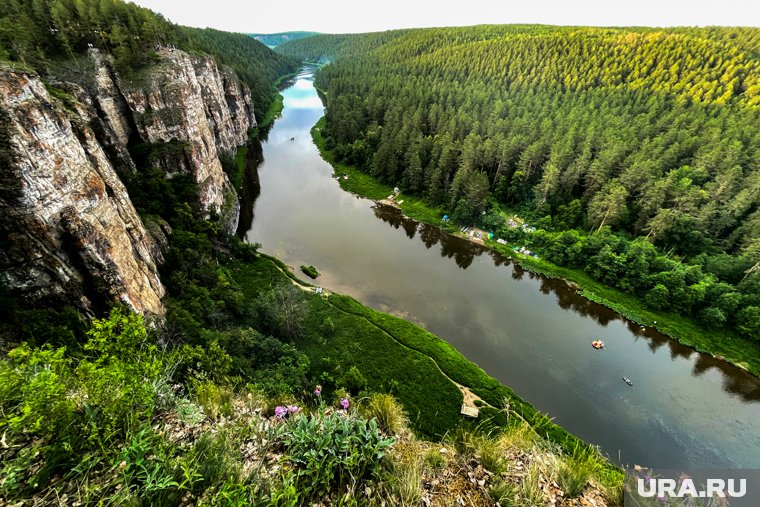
(534, 334)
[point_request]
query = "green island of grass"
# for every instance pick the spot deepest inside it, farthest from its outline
(310, 271)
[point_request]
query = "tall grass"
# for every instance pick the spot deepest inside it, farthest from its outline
(390, 415)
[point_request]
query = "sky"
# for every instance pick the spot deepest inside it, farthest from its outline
(351, 16)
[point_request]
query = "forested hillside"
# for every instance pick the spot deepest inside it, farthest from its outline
(636, 152)
(48, 35)
(253, 62)
(275, 39)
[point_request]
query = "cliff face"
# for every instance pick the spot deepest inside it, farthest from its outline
(188, 99)
(69, 226)
(69, 231)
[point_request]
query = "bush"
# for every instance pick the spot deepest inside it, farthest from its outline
(333, 451)
(113, 387)
(215, 400)
(328, 327)
(353, 381)
(281, 311)
(310, 271)
(388, 413)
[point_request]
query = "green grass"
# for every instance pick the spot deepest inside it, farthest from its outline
(722, 344)
(274, 111)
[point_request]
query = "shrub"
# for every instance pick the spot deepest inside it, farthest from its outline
(214, 399)
(388, 413)
(33, 385)
(328, 327)
(281, 311)
(209, 362)
(333, 451)
(353, 380)
(310, 271)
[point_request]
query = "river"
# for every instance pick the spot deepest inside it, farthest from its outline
(534, 334)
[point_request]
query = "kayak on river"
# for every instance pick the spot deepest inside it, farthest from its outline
(627, 381)
(597, 344)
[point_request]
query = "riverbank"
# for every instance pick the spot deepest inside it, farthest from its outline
(722, 345)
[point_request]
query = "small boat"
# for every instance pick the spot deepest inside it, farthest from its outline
(627, 381)
(597, 344)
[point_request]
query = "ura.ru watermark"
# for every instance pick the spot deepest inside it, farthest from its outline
(706, 488)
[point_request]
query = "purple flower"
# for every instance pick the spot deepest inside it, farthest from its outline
(344, 403)
(280, 411)
(318, 390)
(292, 409)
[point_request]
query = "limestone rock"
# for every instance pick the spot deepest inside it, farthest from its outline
(189, 100)
(70, 230)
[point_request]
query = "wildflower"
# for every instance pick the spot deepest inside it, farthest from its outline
(292, 409)
(318, 390)
(344, 403)
(280, 412)
(122, 465)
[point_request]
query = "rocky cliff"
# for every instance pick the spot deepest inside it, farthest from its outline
(190, 100)
(68, 229)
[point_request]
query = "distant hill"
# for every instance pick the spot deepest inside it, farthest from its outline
(275, 39)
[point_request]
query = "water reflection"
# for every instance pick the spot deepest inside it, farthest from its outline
(567, 296)
(251, 186)
(462, 251)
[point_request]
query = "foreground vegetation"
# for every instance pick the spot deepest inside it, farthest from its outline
(124, 420)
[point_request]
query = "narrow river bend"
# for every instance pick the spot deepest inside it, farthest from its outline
(533, 334)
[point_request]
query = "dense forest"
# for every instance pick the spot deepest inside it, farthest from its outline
(47, 35)
(635, 152)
